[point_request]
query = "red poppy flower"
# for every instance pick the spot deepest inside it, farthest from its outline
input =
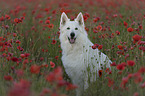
(27, 54)
(19, 72)
(7, 17)
(110, 82)
(141, 70)
(35, 69)
(129, 76)
(138, 79)
(127, 55)
(140, 27)
(53, 42)
(71, 87)
(2, 18)
(56, 57)
(113, 64)
(130, 63)
(8, 78)
(16, 20)
(21, 88)
(124, 82)
(120, 67)
(47, 21)
(45, 91)
(22, 55)
(100, 47)
(99, 28)
(100, 73)
(136, 94)
(51, 77)
(117, 32)
(14, 59)
(52, 64)
(41, 58)
(142, 85)
(17, 41)
(130, 29)
(55, 75)
(120, 47)
(51, 26)
(125, 24)
(136, 37)
(14, 34)
(94, 46)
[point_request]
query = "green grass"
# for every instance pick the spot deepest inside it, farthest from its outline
(34, 38)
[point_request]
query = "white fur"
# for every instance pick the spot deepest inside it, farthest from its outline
(77, 58)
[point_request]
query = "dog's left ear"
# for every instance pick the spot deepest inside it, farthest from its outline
(63, 19)
(80, 19)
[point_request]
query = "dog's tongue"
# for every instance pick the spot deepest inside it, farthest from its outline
(72, 40)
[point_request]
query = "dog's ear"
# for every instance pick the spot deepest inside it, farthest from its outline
(63, 19)
(80, 19)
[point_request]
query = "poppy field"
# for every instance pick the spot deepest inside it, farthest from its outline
(30, 53)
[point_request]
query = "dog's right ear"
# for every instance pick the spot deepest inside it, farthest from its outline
(63, 19)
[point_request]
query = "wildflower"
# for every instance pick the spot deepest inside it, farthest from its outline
(51, 77)
(130, 29)
(100, 47)
(127, 55)
(120, 67)
(130, 63)
(120, 47)
(52, 64)
(27, 54)
(50, 26)
(19, 72)
(110, 82)
(8, 78)
(141, 70)
(136, 37)
(56, 57)
(100, 73)
(125, 24)
(129, 76)
(55, 75)
(99, 28)
(124, 82)
(137, 77)
(16, 20)
(136, 94)
(142, 85)
(95, 46)
(47, 21)
(117, 32)
(2, 18)
(113, 64)
(53, 42)
(22, 88)
(14, 59)
(22, 55)
(35, 69)
(41, 58)
(70, 86)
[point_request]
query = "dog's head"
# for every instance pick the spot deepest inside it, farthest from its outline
(71, 29)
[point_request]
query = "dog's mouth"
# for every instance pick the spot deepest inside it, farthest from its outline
(71, 40)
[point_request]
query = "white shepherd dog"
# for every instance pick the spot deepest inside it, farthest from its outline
(79, 59)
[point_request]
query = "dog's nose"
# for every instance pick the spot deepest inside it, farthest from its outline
(72, 34)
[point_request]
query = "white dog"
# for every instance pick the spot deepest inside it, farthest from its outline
(80, 61)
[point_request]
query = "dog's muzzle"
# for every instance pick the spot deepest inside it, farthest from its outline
(72, 38)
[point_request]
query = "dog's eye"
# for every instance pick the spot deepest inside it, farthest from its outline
(68, 28)
(76, 28)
